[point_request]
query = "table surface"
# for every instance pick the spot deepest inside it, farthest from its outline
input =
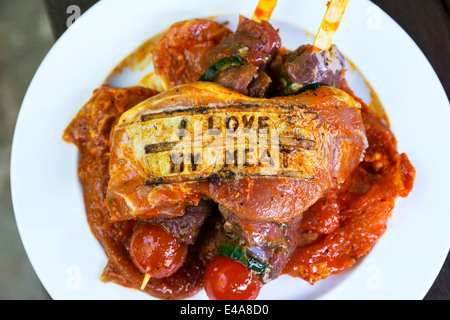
(428, 24)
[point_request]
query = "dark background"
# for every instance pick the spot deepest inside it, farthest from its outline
(28, 28)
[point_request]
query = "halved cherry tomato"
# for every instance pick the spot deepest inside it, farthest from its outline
(156, 252)
(228, 279)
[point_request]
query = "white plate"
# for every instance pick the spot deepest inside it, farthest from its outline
(47, 197)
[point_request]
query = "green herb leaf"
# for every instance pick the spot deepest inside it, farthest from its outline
(239, 255)
(219, 66)
(310, 86)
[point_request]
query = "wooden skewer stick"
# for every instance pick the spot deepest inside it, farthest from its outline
(264, 10)
(330, 24)
(145, 281)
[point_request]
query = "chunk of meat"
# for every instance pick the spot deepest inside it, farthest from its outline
(321, 140)
(270, 243)
(309, 65)
(260, 85)
(187, 227)
(237, 78)
(257, 43)
(264, 247)
(180, 55)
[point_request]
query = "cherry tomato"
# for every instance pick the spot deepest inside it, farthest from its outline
(228, 279)
(156, 252)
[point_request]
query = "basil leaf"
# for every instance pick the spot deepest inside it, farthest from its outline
(239, 255)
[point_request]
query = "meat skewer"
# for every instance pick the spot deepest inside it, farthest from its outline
(310, 66)
(180, 55)
(240, 61)
(175, 235)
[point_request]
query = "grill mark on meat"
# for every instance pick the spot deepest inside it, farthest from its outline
(240, 107)
(159, 147)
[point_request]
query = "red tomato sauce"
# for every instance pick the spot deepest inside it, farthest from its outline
(347, 221)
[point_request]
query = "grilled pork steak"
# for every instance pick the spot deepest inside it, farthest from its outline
(262, 159)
